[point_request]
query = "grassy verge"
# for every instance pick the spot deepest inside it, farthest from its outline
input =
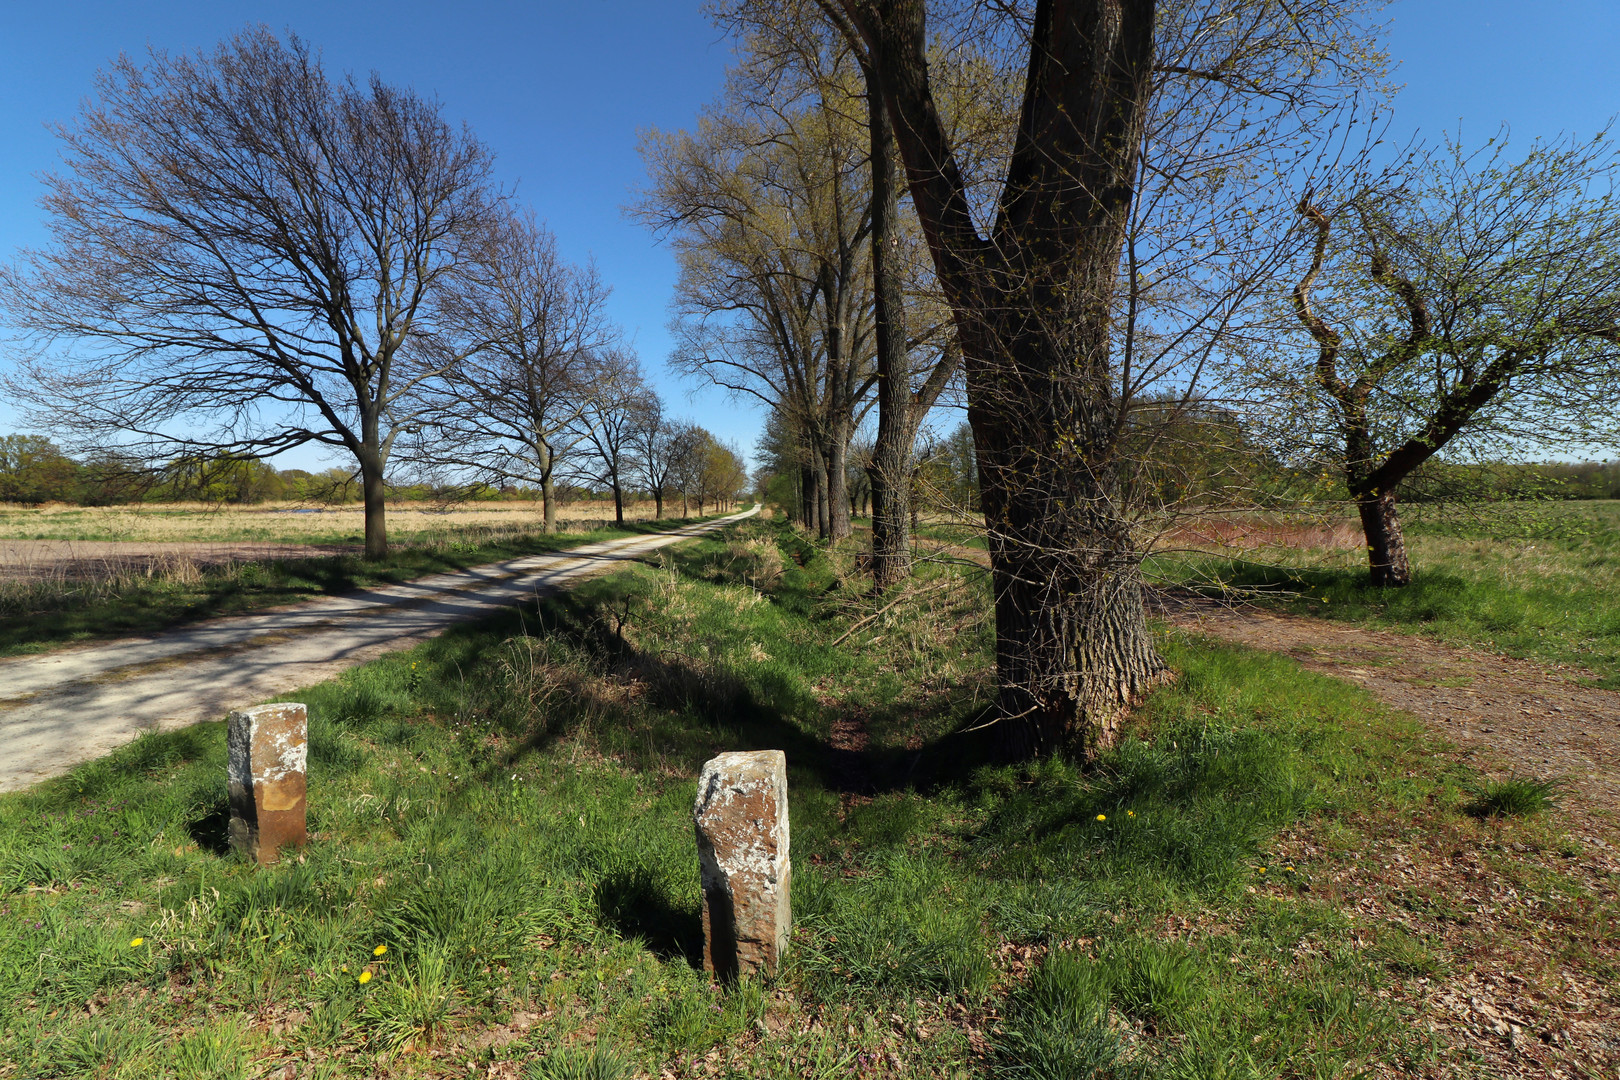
(1522, 586)
(502, 880)
(36, 615)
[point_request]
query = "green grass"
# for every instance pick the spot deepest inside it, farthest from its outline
(1533, 582)
(1517, 796)
(511, 818)
(36, 615)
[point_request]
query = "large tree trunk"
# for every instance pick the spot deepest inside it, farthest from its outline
(548, 495)
(898, 415)
(1073, 650)
(892, 466)
(807, 498)
(658, 503)
(371, 491)
(618, 502)
(1386, 545)
(823, 518)
(838, 523)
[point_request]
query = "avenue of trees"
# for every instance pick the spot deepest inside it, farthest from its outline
(249, 255)
(1147, 249)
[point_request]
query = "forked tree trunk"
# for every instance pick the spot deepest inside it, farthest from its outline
(1386, 545)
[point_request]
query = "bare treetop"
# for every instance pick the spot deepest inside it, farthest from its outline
(241, 247)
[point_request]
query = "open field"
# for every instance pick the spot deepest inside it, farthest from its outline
(1275, 876)
(147, 586)
(294, 523)
(1530, 581)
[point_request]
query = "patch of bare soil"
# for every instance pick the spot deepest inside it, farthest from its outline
(1520, 959)
(84, 560)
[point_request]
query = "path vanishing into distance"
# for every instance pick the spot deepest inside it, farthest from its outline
(75, 704)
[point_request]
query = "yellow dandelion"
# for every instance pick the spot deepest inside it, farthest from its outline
(379, 950)
(365, 977)
(1290, 869)
(1102, 817)
(1261, 869)
(1130, 813)
(136, 943)
(344, 968)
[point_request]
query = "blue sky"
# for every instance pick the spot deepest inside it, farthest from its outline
(559, 91)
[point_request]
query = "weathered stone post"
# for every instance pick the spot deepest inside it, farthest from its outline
(267, 747)
(742, 838)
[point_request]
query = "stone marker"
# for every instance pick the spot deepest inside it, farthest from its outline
(742, 838)
(266, 778)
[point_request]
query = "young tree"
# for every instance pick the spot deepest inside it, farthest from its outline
(620, 406)
(242, 248)
(1478, 301)
(522, 355)
(1037, 301)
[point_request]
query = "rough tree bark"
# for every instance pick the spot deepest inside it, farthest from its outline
(1032, 305)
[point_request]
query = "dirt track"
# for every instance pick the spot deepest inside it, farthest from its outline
(1537, 718)
(73, 705)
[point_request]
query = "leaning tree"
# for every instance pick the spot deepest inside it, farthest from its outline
(1476, 300)
(242, 249)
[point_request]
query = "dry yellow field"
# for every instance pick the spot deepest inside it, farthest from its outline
(291, 523)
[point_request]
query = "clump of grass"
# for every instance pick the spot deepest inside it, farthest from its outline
(600, 1063)
(1516, 796)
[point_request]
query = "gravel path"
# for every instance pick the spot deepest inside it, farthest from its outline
(69, 706)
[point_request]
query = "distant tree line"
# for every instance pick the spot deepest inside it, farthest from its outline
(701, 474)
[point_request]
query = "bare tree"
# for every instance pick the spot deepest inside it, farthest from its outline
(1479, 299)
(242, 247)
(620, 406)
(661, 445)
(518, 363)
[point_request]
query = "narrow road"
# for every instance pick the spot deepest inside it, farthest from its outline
(70, 706)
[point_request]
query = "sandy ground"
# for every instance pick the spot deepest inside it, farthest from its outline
(69, 706)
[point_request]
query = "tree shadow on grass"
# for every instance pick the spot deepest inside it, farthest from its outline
(700, 708)
(211, 830)
(633, 904)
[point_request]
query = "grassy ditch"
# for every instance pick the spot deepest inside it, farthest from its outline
(502, 880)
(42, 612)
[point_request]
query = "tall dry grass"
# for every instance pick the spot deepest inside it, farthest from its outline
(294, 522)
